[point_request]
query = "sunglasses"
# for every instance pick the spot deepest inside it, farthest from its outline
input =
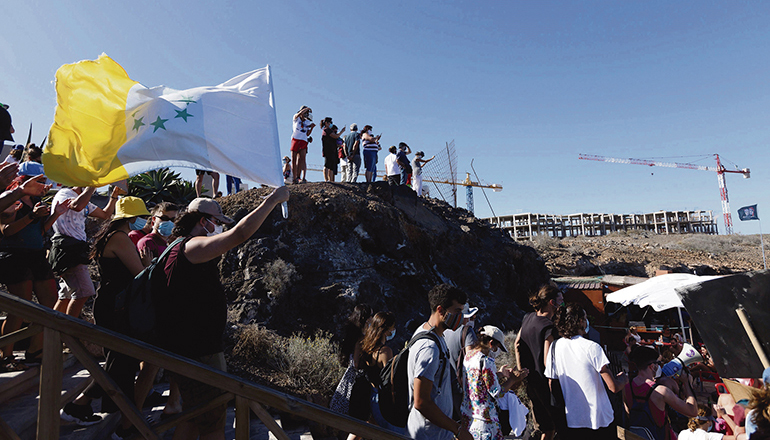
(165, 218)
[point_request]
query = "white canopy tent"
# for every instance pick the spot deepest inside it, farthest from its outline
(658, 292)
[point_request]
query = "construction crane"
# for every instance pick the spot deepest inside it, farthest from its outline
(719, 169)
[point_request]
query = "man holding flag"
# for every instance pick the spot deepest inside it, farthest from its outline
(108, 127)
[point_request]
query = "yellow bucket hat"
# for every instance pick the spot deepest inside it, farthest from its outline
(128, 207)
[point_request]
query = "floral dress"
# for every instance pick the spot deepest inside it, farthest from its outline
(481, 391)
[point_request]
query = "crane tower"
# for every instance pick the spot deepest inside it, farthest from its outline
(719, 169)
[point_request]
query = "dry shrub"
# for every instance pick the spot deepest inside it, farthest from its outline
(278, 276)
(545, 241)
(258, 345)
(311, 362)
(715, 244)
(303, 363)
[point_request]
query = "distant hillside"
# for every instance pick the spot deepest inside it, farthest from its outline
(642, 253)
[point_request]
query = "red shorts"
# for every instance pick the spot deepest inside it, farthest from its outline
(297, 145)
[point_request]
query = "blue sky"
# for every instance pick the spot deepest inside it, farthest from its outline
(521, 87)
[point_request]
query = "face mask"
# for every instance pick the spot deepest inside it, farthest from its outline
(165, 228)
(588, 326)
(453, 320)
(471, 324)
(217, 229)
(309, 116)
(658, 371)
(391, 336)
(493, 353)
(138, 224)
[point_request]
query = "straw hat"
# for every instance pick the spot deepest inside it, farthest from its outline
(128, 207)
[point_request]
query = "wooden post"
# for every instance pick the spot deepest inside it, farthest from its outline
(126, 406)
(242, 415)
(50, 386)
(268, 420)
(752, 336)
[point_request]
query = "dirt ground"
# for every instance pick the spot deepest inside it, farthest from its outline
(642, 253)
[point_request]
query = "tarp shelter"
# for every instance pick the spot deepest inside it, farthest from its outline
(712, 306)
(658, 292)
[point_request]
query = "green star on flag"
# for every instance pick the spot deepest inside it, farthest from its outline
(183, 114)
(158, 124)
(138, 123)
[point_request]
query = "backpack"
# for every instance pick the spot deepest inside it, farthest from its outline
(136, 305)
(394, 392)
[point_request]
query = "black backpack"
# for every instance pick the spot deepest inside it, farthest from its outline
(394, 392)
(136, 305)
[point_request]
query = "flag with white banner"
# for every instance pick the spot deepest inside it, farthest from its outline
(109, 127)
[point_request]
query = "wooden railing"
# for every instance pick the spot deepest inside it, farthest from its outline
(58, 328)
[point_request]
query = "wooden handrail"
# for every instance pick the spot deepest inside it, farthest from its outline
(77, 328)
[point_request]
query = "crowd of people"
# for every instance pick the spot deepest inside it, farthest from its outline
(345, 154)
(455, 387)
(569, 379)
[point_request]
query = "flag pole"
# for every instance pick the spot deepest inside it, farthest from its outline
(762, 241)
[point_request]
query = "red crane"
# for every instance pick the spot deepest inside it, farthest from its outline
(719, 169)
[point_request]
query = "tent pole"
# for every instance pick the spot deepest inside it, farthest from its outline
(681, 323)
(752, 337)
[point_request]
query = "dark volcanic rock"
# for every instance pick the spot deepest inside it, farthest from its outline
(349, 243)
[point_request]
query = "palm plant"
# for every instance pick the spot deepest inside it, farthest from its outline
(161, 185)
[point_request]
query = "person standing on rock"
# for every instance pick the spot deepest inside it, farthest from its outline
(193, 309)
(417, 164)
(532, 343)
(403, 162)
(430, 387)
(303, 126)
(371, 147)
(353, 152)
(392, 168)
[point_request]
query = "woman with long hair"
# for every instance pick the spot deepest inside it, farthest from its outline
(482, 387)
(582, 368)
(350, 354)
(119, 262)
(379, 330)
(24, 267)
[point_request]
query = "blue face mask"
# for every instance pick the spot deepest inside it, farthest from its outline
(138, 224)
(391, 336)
(165, 228)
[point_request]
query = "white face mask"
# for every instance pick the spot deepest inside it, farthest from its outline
(471, 324)
(493, 353)
(217, 229)
(658, 371)
(588, 326)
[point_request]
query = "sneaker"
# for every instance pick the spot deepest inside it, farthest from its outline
(83, 415)
(123, 434)
(155, 399)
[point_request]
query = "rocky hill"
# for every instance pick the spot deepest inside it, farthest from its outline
(349, 243)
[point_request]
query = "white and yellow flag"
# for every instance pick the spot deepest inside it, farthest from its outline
(109, 127)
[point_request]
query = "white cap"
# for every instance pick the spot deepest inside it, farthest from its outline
(494, 333)
(468, 311)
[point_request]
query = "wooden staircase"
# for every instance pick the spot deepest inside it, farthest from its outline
(30, 401)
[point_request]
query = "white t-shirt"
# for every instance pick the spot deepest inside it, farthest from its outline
(577, 365)
(699, 434)
(300, 129)
(391, 165)
(71, 223)
(424, 361)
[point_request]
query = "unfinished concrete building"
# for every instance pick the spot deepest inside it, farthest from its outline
(527, 226)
